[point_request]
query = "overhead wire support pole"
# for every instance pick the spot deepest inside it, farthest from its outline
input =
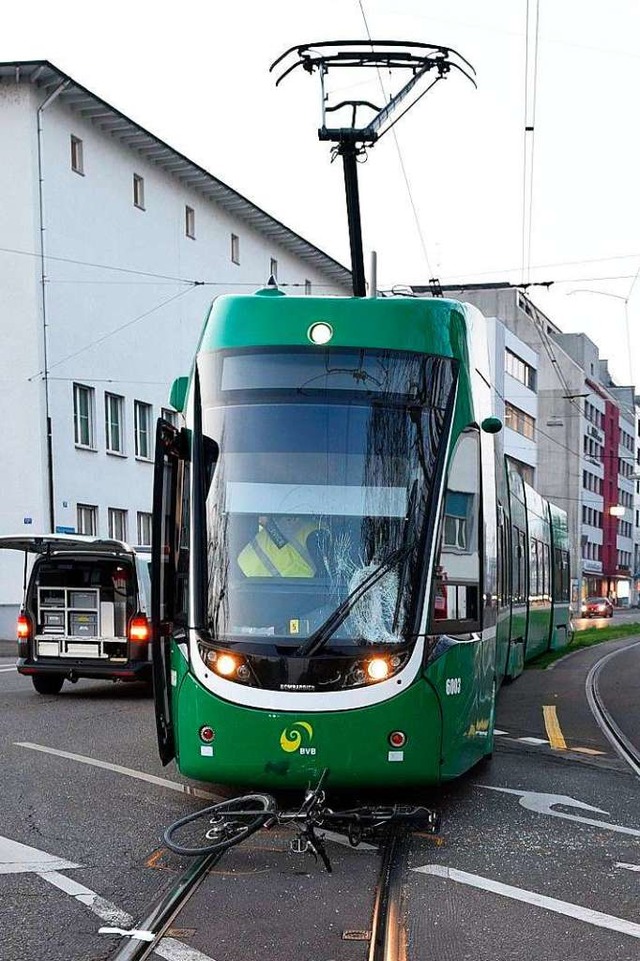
(349, 153)
(419, 58)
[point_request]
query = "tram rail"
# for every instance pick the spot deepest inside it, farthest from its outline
(164, 912)
(611, 730)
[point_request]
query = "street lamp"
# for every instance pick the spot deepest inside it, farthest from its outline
(625, 300)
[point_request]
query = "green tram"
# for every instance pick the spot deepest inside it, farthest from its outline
(343, 572)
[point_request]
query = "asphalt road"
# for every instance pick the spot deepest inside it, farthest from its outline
(501, 881)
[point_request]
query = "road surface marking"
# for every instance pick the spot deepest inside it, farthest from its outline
(496, 731)
(543, 804)
(3, 670)
(532, 897)
(586, 750)
(552, 727)
(18, 858)
(628, 867)
(118, 769)
(533, 740)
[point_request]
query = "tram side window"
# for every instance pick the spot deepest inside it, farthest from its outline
(547, 570)
(456, 596)
(560, 575)
(534, 588)
(182, 574)
(519, 571)
(503, 586)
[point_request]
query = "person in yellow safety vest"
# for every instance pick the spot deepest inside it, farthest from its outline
(281, 549)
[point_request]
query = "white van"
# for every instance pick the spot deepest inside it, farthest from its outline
(85, 610)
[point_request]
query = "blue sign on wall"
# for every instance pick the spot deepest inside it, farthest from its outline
(65, 530)
(27, 520)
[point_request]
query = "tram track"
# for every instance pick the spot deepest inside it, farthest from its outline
(611, 730)
(387, 937)
(388, 941)
(166, 909)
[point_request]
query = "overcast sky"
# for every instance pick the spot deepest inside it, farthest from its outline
(196, 74)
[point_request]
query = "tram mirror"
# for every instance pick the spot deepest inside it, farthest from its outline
(491, 425)
(178, 395)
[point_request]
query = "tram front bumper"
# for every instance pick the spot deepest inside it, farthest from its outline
(290, 750)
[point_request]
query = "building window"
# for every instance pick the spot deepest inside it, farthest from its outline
(519, 421)
(519, 369)
(77, 160)
(144, 529)
(169, 415)
(83, 401)
(114, 423)
(138, 191)
(307, 288)
(117, 524)
(525, 470)
(235, 248)
(273, 268)
(142, 426)
(87, 519)
(190, 222)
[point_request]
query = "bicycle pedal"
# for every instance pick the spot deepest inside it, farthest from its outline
(299, 845)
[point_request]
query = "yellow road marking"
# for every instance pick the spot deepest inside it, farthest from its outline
(552, 725)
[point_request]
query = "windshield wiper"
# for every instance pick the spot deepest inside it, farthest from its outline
(316, 641)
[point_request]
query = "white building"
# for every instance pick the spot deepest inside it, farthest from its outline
(112, 245)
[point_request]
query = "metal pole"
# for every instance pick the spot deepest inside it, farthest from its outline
(373, 284)
(43, 282)
(349, 162)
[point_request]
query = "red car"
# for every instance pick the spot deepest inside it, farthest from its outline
(597, 607)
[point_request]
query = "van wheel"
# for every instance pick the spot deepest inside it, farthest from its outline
(48, 683)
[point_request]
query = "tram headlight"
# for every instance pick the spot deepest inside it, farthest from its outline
(378, 668)
(226, 665)
(233, 667)
(320, 333)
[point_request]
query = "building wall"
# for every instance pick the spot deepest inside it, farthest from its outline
(122, 310)
(23, 505)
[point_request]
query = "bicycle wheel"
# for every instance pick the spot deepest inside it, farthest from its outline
(230, 823)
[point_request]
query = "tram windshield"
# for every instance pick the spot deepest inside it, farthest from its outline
(321, 494)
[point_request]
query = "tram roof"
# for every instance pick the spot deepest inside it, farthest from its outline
(271, 318)
(47, 77)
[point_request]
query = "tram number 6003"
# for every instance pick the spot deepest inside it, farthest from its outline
(453, 685)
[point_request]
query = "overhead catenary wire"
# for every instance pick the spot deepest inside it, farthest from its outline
(111, 333)
(530, 98)
(403, 169)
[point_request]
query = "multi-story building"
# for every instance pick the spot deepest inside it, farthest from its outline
(112, 246)
(581, 438)
(515, 380)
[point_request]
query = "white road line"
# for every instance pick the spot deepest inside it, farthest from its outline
(169, 948)
(576, 911)
(629, 867)
(532, 740)
(496, 731)
(118, 769)
(18, 858)
(3, 670)
(105, 910)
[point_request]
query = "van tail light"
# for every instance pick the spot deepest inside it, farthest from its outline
(139, 629)
(24, 627)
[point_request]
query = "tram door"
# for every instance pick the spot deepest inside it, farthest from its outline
(169, 458)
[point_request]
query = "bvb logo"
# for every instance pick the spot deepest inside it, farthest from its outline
(291, 738)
